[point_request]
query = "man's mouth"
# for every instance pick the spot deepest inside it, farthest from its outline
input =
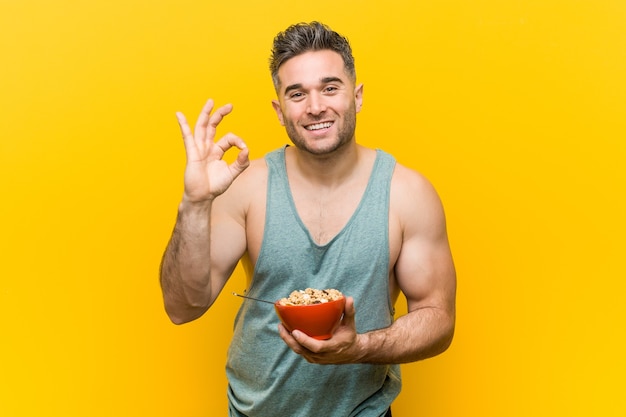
(318, 126)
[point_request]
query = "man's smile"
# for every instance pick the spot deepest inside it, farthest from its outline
(319, 126)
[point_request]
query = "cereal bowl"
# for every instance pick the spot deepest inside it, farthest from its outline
(318, 321)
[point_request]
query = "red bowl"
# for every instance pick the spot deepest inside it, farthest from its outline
(318, 321)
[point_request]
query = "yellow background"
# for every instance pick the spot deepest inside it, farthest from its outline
(516, 111)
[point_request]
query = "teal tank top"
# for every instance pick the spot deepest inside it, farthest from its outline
(266, 378)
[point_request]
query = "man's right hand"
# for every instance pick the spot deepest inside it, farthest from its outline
(207, 175)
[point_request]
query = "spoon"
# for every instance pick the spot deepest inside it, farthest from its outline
(252, 298)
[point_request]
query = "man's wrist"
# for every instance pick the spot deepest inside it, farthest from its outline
(363, 345)
(187, 205)
(371, 347)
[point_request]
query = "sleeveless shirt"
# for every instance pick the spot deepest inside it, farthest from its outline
(265, 377)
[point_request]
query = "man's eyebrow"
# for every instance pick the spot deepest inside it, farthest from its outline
(324, 80)
(327, 80)
(292, 87)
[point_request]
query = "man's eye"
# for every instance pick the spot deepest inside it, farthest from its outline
(296, 95)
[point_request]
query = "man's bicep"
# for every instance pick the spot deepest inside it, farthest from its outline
(425, 274)
(425, 269)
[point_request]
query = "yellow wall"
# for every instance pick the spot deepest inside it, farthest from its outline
(514, 109)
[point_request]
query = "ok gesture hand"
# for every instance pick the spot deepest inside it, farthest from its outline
(207, 175)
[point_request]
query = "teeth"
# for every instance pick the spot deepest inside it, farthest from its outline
(318, 126)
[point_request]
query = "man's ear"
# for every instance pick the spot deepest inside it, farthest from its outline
(279, 112)
(358, 97)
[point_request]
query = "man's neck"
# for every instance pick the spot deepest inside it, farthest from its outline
(325, 171)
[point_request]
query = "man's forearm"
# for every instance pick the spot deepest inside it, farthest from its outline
(185, 268)
(418, 335)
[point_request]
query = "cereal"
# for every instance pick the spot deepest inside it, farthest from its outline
(310, 296)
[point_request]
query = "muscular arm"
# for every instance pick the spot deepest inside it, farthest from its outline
(426, 276)
(424, 272)
(208, 239)
(192, 273)
(185, 270)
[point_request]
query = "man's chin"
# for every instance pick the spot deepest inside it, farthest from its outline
(319, 147)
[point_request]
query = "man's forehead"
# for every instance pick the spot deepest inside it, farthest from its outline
(313, 67)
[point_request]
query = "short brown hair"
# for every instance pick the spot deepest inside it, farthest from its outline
(304, 37)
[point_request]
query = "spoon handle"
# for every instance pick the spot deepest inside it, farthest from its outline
(252, 298)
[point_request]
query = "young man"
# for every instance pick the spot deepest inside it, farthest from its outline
(324, 213)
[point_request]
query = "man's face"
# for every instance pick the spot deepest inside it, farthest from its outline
(317, 102)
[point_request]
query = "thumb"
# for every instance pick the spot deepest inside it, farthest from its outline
(349, 312)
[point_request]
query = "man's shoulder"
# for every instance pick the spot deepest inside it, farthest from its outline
(253, 176)
(407, 178)
(411, 190)
(247, 187)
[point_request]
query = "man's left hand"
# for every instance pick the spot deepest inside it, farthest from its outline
(341, 348)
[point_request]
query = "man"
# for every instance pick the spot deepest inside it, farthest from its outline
(325, 213)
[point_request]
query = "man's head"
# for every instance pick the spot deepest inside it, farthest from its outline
(305, 37)
(317, 96)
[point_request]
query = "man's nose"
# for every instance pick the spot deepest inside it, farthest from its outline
(315, 104)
